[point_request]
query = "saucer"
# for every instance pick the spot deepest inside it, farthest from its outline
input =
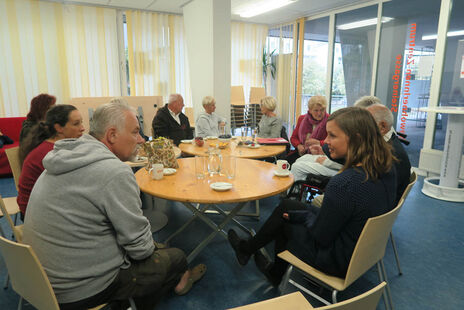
(186, 141)
(256, 146)
(221, 186)
(169, 171)
(282, 174)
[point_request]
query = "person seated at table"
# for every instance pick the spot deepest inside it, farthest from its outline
(209, 123)
(270, 126)
(326, 237)
(170, 122)
(61, 122)
(85, 221)
(39, 107)
(310, 128)
(4, 139)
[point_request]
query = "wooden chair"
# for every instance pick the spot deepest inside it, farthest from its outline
(28, 277)
(256, 94)
(238, 108)
(13, 158)
(369, 251)
(296, 301)
(412, 181)
(6, 211)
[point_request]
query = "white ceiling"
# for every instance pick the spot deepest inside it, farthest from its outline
(300, 8)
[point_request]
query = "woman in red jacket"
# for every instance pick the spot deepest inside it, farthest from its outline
(61, 121)
(310, 128)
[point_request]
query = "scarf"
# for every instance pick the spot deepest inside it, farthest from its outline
(307, 125)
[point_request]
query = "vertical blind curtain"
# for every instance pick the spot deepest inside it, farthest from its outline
(248, 41)
(64, 50)
(157, 55)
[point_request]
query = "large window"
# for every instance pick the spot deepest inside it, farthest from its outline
(353, 56)
(405, 65)
(452, 83)
(316, 49)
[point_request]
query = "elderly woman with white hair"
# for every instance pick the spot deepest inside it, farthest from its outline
(270, 125)
(209, 123)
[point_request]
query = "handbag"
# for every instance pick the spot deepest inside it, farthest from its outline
(161, 151)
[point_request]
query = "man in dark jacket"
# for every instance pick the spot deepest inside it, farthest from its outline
(170, 122)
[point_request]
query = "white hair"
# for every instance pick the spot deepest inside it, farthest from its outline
(112, 114)
(207, 100)
(381, 113)
(367, 101)
(174, 98)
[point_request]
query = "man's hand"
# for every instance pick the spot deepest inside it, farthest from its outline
(316, 149)
(320, 159)
(285, 216)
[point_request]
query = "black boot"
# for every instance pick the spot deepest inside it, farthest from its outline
(237, 245)
(265, 266)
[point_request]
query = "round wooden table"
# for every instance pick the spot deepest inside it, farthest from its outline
(240, 151)
(253, 180)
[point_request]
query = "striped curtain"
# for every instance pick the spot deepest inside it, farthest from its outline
(247, 43)
(158, 63)
(64, 50)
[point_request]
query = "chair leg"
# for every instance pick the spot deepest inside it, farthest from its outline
(20, 303)
(381, 279)
(334, 296)
(388, 286)
(400, 272)
(285, 278)
(132, 304)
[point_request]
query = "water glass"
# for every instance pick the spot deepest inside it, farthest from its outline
(214, 162)
(244, 131)
(200, 167)
(229, 164)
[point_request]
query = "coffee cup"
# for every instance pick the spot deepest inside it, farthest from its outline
(157, 171)
(282, 166)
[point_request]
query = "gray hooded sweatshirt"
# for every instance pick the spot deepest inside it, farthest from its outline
(84, 218)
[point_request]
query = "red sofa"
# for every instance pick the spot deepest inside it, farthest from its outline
(10, 126)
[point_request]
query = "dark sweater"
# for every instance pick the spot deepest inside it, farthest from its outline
(164, 125)
(403, 166)
(349, 202)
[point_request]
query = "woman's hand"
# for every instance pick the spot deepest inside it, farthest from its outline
(285, 216)
(320, 159)
(316, 149)
(301, 149)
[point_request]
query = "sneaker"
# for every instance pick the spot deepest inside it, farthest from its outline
(235, 241)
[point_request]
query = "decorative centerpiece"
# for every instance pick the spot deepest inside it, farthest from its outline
(160, 151)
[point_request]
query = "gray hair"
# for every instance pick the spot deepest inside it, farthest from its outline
(381, 113)
(367, 101)
(174, 98)
(269, 103)
(112, 114)
(207, 100)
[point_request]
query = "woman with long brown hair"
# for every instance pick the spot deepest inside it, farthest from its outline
(325, 238)
(39, 107)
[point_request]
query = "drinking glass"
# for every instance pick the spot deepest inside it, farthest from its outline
(200, 164)
(244, 131)
(214, 162)
(228, 167)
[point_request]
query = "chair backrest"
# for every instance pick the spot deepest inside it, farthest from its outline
(27, 275)
(17, 233)
(190, 115)
(293, 301)
(13, 158)
(237, 96)
(256, 94)
(365, 301)
(371, 244)
(412, 181)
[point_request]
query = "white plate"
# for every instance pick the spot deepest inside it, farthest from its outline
(186, 141)
(282, 174)
(211, 138)
(256, 146)
(221, 186)
(169, 171)
(140, 158)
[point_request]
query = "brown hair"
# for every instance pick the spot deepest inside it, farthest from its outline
(39, 107)
(366, 146)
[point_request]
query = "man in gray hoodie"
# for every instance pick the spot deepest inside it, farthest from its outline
(86, 225)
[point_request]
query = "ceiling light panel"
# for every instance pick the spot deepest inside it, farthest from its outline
(253, 8)
(363, 23)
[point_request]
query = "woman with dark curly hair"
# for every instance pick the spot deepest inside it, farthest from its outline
(61, 121)
(325, 238)
(39, 107)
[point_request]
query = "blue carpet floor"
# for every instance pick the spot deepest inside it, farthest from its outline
(429, 235)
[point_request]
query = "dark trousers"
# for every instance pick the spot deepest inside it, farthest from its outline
(286, 236)
(145, 281)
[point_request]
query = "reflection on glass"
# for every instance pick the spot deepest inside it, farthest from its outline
(405, 66)
(353, 56)
(316, 49)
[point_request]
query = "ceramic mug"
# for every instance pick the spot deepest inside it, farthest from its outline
(157, 171)
(282, 166)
